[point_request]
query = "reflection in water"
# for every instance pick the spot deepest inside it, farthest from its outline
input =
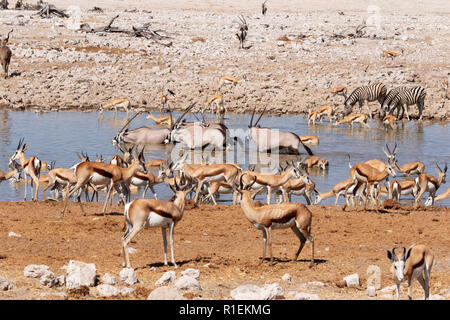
(59, 135)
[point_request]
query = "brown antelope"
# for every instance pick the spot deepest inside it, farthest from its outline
(155, 164)
(391, 54)
(337, 190)
(427, 183)
(13, 174)
(389, 120)
(217, 100)
(161, 120)
(142, 213)
(315, 161)
(206, 173)
(440, 197)
(4, 100)
(277, 216)
(31, 167)
(415, 167)
(401, 188)
(416, 264)
(229, 80)
(163, 99)
(313, 116)
(341, 90)
(64, 177)
(117, 103)
(354, 118)
(5, 54)
(301, 186)
(309, 139)
(243, 30)
(365, 174)
(325, 111)
(146, 180)
(100, 173)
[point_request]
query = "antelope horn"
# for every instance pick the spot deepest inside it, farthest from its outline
(389, 150)
(256, 123)
(20, 143)
(395, 149)
(181, 117)
(251, 119)
(128, 122)
(437, 166)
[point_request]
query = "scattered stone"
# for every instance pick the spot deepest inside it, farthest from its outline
(445, 291)
(48, 279)
(436, 297)
(341, 284)
(107, 290)
(306, 296)
(35, 270)
(316, 284)
(187, 283)
(286, 277)
(246, 292)
(166, 278)
(126, 291)
(13, 234)
(128, 276)
(352, 280)
(371, 291)
(5, 284)
(109, 279)
(388, 289)
(193, 273)
(165, 293)
(80, 274)
(272, 292)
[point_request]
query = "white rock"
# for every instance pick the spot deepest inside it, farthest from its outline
(371, 291)
(166, 278)
(187, 283)
(286, 277)
(387, 296)
(13, 234)
(272, 292)
(193, 273)
(35, 270)
(352, 280)
(109, 279)
(316, 284)
(126, 291)
(388, 289)
(436, 297)
(107, 290)
(246, 292)
(48, 279)
(5, 284)
(165, 293)
(80, 274)
(306, 296)
(128, 276)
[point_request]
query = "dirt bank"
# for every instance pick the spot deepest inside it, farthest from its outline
(56, 68)
(222, 245)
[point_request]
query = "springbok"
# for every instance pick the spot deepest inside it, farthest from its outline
(13, 174)
(341, 90)
(391, 54)
(440, 197)
(100, 173)
(309, 139)
(354, 118)
(161, 120)
(31, 167)
(415, 167)
(427, 183)
(142, 213)
(315, 161)
(267, 139)
(264, 8)
(325, 111)
(444, 86)
(416, 264)
(313, 116)
(337, 190)
(229, 80)
(5, 54)
(117, 104)
(401, 188)
(301, 186)
(277, 216)
(217, 100)
(389, 120)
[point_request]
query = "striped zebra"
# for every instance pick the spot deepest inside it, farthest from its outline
(406, 97)
(387, 100)
(366, 94)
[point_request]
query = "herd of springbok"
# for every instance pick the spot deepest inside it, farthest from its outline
(205, 182)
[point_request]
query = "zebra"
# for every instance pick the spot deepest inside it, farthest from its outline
(387, 100)
(366, 94)
(406, 97)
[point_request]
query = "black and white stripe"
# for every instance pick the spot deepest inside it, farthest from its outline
(406, 97)
(366, 94)
(387, 100)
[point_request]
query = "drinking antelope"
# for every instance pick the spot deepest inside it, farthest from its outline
(315, 161)
(341, 90)
(5, 54)
(102, 173)
(325, 111)
(301, 186)
(352, 119)
(277, 216)
(337, 190)
(142, 213)
(31, 167)
(428, 183)
(440, 197)
(217, 100)
(389, 120)
(313, 116)
(13, 174)
(416, 264)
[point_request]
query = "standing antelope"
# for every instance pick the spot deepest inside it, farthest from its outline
(264, 8)
(364, 95)
(428, 183)
(116, 104)
(161, 120)
(391, 54)
(277, 216)
(142, 213)
(415, 167)
(354, 118)
(440, 197)
(5, 54)
(301, 186)
(243, 30)
(102, 173)
(341, 90)
(31, 167)
(229, 80)
(401, 188)
(267, 139)
(417, 263)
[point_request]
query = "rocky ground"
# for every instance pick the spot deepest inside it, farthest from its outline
(297, 54)
(222, 246)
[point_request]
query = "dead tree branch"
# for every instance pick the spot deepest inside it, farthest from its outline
(47, 10)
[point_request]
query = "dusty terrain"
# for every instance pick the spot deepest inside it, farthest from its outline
(222, 245)
(55, 67)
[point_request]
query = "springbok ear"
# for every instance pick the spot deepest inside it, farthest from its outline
(408, 254)
(389, 255)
